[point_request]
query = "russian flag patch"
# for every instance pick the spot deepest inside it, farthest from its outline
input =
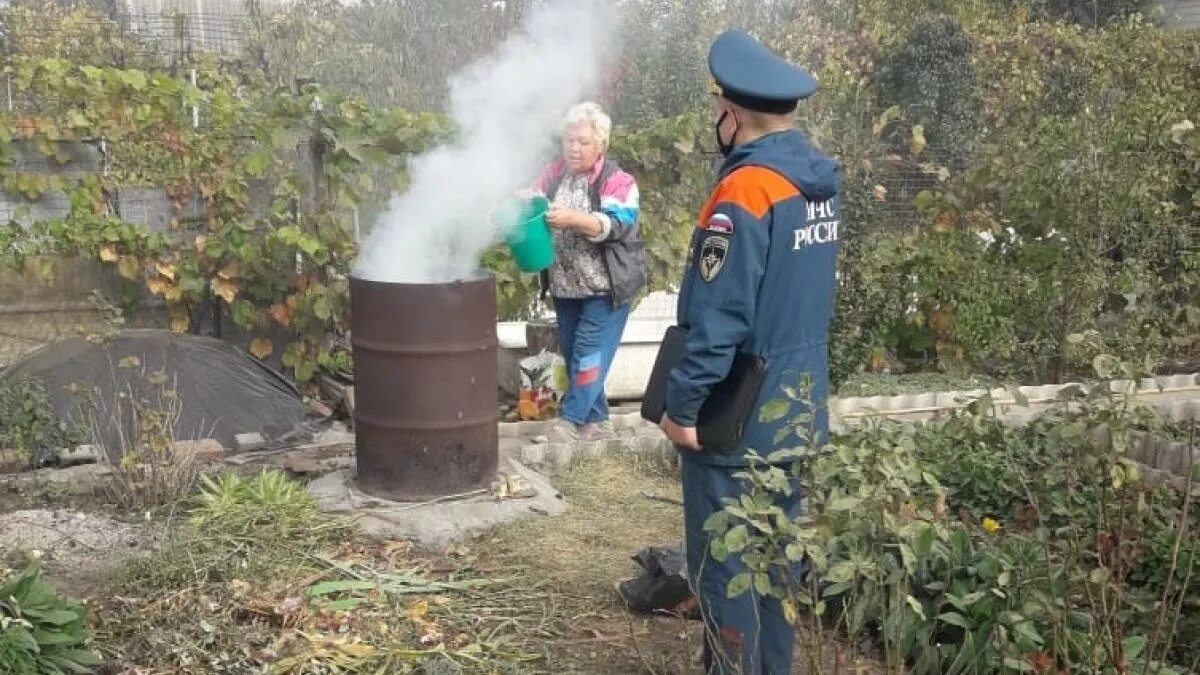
(589, 370)
(721, 223)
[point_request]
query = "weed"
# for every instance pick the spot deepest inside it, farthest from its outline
(41, 632)
(149, 469)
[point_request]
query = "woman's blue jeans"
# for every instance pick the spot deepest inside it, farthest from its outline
(589, 331)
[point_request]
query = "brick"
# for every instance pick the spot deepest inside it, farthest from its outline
(80, 454)
(562, 455)
(249, 442)
(205, 450)
(590, 450)
(533, 455)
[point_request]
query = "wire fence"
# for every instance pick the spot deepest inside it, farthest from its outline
(179, 37)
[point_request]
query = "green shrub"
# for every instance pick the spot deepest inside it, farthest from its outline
(30, 432)
(971, 546)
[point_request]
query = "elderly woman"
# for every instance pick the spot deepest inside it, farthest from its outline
(600, 265)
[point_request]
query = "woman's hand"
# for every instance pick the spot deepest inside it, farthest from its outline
(567, 219)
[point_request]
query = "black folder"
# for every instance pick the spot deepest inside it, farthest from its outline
(728, 409)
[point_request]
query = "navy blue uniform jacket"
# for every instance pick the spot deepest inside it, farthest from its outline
(761, 279)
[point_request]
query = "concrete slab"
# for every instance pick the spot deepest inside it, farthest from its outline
(436, 524)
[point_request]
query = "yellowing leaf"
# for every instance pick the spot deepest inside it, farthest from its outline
(201, 243)
(261, 348)
(157, 286)
(418, 610)
(179, 323)
(108, 253)
(356, 650)
(129, 267)
(165, 269)
(880, 193)
(282, 315)
(229, 271)
(226, 290)
(917, 145)
(789, 612)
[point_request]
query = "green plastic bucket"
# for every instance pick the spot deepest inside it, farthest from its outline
(526, 232)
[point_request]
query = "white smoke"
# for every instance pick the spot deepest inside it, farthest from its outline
(506, 108)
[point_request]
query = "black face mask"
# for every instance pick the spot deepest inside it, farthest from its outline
(724, 147)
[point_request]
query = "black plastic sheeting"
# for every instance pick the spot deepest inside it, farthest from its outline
(662, 587)
(222, 391)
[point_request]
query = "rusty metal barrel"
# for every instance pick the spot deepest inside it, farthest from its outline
(425, 382)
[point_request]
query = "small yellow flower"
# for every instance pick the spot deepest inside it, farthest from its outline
(991, 526)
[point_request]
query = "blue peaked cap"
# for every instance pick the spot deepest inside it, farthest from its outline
(750, 75)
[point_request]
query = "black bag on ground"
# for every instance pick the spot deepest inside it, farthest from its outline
(724, 416)
(662, 587)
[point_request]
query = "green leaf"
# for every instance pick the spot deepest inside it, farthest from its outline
(794, 552)
(835, 589)
(774, 411)
(344, 605)
(842, 572)
(955, 619)
(737, 539)
(54, 617)
(916, 606)
(718, 549)
(1133, 646)
(341, 586)
(909, 558)
(762, 584)
(843, 503)
(738, 585)
(257, 161)
(82, 659)
(48, 638)
(924, 540)
(1018, 664)
(135, 79)
(1105, 366)
(321, 308)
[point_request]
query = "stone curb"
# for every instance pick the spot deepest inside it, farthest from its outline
(561, 456)
(949, 400)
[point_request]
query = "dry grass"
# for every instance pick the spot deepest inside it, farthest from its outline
(233, 591)
(576, 560)
(244, 599)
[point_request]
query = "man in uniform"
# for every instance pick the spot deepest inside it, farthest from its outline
(760, 280)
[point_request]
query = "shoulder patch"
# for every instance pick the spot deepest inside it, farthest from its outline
(719, 222)
(713, 251)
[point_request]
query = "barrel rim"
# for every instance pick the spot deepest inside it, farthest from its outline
(481, 276)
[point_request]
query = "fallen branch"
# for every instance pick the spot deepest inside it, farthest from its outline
(662, 498)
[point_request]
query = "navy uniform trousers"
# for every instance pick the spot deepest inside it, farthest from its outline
(746, 635)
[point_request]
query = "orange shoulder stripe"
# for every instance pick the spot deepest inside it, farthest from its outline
(753, 188)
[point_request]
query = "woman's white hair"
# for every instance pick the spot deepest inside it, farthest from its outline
(593, 114)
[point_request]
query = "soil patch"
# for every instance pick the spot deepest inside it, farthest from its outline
(76, 548)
